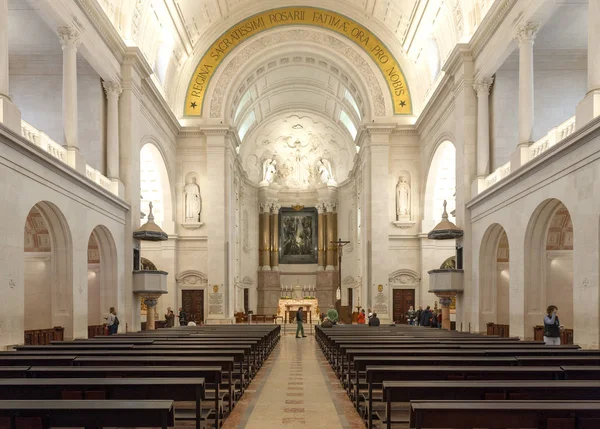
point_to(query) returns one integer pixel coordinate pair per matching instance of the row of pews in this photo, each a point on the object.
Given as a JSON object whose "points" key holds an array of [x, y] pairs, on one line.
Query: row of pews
{"points": [[413, 377], [187, 375]]}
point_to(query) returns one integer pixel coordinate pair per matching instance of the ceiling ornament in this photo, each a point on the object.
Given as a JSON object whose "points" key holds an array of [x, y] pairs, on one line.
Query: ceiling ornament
{"points": [[298, 15], [268, 41]]}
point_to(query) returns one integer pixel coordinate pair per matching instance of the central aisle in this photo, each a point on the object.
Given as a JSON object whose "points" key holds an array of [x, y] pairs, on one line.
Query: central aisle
{"points": [[297, 388]]}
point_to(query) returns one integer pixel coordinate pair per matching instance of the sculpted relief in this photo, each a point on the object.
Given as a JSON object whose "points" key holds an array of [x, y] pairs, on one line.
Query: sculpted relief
{"points": [[297, 153]]}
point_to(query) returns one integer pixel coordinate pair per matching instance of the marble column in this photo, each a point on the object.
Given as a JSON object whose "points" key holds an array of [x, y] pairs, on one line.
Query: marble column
{"points": [[482, 88], [445, 304], [275, 238], [150, 302], [330, 237], [113, 91], [589, 107], [10, 116], [70, 40], [525, 37], [265, 238], [335, 237], [321, 241]]}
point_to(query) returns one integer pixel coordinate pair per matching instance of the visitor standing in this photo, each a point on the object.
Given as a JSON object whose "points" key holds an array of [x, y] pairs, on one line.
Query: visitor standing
{"points": [[552, 327], [182, 317], [110, 321], [426, 317], [374, 320], [411, 314], [170, 318], [361, 317], [299, 322], [419, 312]]}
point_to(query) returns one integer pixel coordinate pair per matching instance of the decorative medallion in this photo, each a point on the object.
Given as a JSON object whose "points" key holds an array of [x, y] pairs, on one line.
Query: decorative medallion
{"points": [[216, 288], [297, 207], [380, 288]]}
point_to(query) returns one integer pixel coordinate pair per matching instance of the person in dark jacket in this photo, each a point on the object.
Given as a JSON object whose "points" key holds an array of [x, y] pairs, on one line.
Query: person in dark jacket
{"points": [[182, 317], [552, 327], [426, 317], [418, 318], [374, 320], [300, 326]]}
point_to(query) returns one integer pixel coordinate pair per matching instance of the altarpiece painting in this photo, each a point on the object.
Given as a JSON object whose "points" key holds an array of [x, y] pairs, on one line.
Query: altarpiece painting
{"points": [[298, 236]]}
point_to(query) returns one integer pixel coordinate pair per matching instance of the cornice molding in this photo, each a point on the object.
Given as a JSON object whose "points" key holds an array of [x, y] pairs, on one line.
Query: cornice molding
{"points": [[105, 29], [460, 54], [134, 56], [490, 24], [28, 149]]}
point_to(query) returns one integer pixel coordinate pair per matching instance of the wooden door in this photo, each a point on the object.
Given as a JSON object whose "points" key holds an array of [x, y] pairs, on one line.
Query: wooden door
{"points": [[246, 300], [403, 299], [193, 305]]}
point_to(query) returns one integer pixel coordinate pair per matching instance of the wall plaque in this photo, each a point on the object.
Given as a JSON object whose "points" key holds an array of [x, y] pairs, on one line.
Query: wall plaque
{"points": [[215, 301]]}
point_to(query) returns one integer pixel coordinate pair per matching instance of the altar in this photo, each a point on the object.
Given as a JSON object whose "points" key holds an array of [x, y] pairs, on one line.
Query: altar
{"points": [[288, 308], [294, 297]]}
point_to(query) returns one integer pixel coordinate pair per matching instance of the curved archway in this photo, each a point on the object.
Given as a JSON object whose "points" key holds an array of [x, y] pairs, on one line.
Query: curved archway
{"points": [[155, 186], [48, 282], [440, 184], [102, 276], [549, 264], [494, 277]]}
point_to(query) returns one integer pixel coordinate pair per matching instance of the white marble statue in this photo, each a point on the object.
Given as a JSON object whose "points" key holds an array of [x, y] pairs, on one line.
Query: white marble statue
{"points": [[325, 171], [402, 198], [269, 170], [192, 201]]}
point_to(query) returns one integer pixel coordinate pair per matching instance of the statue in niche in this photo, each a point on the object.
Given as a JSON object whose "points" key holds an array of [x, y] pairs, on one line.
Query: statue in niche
{"points": [[402, 198], [269, 171], [325, 171], [193, 201]]}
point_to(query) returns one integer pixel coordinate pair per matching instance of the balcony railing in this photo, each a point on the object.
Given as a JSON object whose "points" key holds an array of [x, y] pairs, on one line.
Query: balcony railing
{"points": [[42, 140], [554, 136]]}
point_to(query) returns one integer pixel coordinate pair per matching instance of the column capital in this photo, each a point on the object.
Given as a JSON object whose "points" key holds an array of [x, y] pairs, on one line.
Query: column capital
{"points": [[526, 32], [482, 85], [69, 36], [275, 207], [321, 208], [112, 88], [265, 206]]}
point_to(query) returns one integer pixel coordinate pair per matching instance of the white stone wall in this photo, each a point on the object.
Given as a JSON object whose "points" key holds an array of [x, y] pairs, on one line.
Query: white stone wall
{"points": [[36, 87], [79, 208], [569, 175]]}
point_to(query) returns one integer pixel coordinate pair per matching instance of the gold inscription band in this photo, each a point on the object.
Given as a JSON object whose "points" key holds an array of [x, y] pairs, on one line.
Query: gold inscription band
{"points": [[300, 15]]}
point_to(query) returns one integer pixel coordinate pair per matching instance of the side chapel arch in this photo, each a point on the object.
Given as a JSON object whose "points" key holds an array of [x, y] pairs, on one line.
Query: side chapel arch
{"points": [[494, 276]]}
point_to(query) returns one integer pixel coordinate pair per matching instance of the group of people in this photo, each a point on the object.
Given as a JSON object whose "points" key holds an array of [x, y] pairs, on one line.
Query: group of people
{"points": [[427, 317], [182, 316]]}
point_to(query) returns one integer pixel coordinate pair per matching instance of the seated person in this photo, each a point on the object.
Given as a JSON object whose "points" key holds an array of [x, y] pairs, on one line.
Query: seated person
{"points": [[326, 323], [192, 323], [374, 321]]}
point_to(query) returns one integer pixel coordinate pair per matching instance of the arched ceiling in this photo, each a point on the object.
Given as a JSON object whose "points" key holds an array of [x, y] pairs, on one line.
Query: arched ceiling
{"points": [[174, 35]]}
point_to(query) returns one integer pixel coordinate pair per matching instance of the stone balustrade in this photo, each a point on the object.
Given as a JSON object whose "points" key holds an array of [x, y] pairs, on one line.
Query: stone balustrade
{"points": [[554, 136], [43, 141]]}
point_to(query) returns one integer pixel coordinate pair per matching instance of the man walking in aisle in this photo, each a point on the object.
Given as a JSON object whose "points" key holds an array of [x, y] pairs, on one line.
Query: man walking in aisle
{"points": [[300, 326]]}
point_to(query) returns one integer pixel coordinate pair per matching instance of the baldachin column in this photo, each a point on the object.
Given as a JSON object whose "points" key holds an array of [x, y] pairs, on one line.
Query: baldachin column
{"points": [[113, 91], [275, 238], [265, 238], [525, 37], [70, 40], [321, 240], [482, 88], [589, 107], [330, 237], [10, 116]]}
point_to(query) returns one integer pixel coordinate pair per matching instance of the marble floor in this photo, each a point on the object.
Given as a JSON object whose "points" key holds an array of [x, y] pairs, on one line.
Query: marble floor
{"points": [[296, 388]]}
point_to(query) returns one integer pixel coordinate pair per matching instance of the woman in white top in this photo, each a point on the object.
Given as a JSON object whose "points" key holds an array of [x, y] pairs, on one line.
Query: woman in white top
{"points": [[110, 322]]}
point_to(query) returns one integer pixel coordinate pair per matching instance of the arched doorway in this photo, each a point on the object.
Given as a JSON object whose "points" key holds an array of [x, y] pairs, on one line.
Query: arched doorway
{"points": [[102, 278], [549, 264], [494, 277], [48, 267]]}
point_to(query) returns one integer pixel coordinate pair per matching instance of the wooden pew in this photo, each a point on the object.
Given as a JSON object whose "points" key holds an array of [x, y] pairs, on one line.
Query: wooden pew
{"points": [[176, 389], [377, 374], [225, 362], [503, 414], [91, 414], [406, 391], [13, 359]]}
